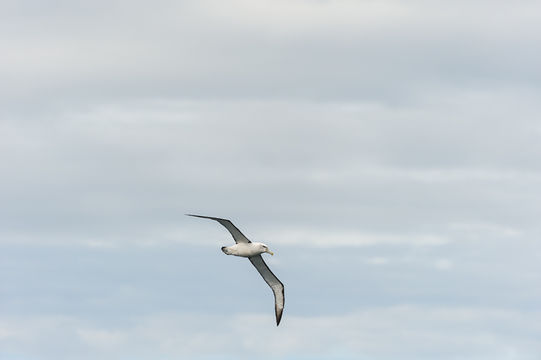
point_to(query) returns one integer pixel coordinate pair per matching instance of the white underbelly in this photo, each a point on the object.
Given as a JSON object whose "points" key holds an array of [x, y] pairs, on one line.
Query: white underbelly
{"points": [[244, 250]]}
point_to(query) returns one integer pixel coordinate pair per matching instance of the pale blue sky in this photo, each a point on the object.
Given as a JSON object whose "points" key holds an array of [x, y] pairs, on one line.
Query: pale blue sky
{"points": [[386, 151]]}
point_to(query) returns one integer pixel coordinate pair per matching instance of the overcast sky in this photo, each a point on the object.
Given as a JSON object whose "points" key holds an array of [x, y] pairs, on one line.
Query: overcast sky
{"points": [[388, 152]]}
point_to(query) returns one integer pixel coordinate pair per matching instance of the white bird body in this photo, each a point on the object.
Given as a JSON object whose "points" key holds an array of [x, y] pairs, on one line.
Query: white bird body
{"points": [[252, 250], [246, 249]]}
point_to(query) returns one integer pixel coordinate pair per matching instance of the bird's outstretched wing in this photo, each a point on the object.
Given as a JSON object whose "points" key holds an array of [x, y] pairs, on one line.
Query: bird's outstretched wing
{"points": [[275, 284], [237, 235]]}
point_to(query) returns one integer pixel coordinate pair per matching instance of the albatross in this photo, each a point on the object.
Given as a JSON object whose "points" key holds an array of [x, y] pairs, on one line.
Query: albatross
{"points": [[252, 251]]}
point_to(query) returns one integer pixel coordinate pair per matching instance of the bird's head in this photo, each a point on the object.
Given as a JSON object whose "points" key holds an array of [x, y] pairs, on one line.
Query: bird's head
{"points": [[265, 248]]}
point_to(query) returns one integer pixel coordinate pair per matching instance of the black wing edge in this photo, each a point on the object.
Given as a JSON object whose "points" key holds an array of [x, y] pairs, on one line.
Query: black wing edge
{"points": [[207, 217]]}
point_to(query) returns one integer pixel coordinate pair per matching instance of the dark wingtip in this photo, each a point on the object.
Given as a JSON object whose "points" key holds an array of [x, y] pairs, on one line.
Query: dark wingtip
{"points": [[279, 317], [207, 217], [199, 216]]}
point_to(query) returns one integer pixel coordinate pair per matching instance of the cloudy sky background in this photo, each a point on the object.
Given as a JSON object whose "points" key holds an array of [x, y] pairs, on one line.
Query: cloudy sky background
{"points": [[387, 151]]}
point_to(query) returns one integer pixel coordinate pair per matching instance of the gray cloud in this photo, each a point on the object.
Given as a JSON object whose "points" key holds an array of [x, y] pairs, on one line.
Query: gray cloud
{"points": [[364, 167], [416, 333], [386, 150], [336, 50]]}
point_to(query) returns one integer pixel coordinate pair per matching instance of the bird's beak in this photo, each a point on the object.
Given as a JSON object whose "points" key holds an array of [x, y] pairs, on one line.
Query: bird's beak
{"points": [[270, 252]]}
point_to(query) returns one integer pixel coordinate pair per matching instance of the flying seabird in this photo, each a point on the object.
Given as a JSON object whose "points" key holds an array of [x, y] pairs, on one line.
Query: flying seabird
{"points": [[253, 251]]}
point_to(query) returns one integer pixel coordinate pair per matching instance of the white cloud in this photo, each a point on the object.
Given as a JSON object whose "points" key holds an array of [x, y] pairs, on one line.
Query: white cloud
{"points": [[377, 260], [337, 238], [478, 230], [443, 264]]}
